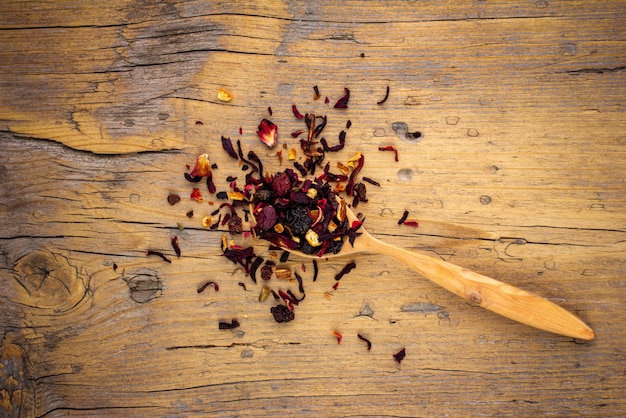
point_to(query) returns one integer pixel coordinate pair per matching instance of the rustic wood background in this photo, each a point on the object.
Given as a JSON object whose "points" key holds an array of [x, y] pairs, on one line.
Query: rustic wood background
{"points": [[519, 176]]}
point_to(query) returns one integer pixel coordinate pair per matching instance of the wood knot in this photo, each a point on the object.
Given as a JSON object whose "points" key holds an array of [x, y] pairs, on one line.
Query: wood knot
{"points": [[474, 296], [144, 285], [48, 280]]}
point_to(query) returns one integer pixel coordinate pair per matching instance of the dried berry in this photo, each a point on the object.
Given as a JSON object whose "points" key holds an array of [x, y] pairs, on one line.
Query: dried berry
{"points": [[173, 198], [281, 184], [282, 313], [264, 195], [266, 218], [298, 219], [235, 224], [266, 272]]}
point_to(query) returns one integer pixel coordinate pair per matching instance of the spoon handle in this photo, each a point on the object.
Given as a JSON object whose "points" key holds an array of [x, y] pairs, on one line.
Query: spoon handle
{"points": [[498, 297]]}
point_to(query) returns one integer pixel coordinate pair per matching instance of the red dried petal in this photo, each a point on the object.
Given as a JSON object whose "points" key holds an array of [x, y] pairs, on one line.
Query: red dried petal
{"points": [[342, 103], [203, 166], [196, 195], [268, 132], [296, 113]]}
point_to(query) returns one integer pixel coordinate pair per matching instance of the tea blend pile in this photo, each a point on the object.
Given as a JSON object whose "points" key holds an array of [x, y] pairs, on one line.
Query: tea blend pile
{"points": [[296, 208]]}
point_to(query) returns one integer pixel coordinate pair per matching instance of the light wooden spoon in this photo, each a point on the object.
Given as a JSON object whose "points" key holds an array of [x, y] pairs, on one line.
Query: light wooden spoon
{"points": [[498, 297]]}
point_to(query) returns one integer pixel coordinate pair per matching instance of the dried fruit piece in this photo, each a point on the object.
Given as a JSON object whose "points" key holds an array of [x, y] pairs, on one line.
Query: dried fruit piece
{"points": [[282, 313], [224, 95], [268, 132], [206, 221], [173, 198], [283, 273]]}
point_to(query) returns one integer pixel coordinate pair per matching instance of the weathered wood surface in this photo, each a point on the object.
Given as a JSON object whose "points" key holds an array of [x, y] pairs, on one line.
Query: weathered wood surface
{"points": [[519, 176]]}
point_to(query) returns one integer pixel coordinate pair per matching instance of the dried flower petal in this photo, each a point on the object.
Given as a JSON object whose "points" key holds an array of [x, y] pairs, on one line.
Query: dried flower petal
{"points": [[292, 154], [224, 95], [206, 221], [368, 342], [338, 335], [390, 148], [399, 356], [227, 144], [268, 132], [342, 103], [196, 195], [296, 113], [203, 166], [385, 98]]}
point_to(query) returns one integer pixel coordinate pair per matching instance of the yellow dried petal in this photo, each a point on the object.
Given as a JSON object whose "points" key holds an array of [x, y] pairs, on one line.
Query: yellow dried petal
{"points": [[224, 95], [343, 168], [207, 221], [292, 154], [352, 161]]}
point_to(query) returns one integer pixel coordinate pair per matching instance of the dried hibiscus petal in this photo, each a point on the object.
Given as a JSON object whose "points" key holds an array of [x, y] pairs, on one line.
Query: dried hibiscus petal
{"points": [[227, 144], [368, 342], [296, 113], [338, 147], [207, 284], [384, 98], [400, 355], [268, 132], [347, 269], [389, 148], [342, 103]]}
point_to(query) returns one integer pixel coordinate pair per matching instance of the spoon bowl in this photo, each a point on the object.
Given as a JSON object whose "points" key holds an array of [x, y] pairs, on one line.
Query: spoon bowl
{"points": [[501, 298]]}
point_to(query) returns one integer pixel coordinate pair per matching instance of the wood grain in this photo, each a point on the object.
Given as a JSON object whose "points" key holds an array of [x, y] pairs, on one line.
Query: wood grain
{"points": [[519, 176]]}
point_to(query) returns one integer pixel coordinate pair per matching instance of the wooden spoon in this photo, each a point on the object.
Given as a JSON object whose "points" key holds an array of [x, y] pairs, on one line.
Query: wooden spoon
{"points": [[498, 297]]}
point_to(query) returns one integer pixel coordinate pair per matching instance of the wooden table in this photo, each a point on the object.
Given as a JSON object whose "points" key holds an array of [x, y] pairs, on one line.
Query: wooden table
{"points": [[518, 175]]}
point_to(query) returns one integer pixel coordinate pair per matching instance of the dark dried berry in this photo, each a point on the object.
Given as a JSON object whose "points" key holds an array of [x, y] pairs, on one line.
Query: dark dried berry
{"points": [[173, 198], [281, 184], [264, 195], [234, 224], [282, 313], [306, 248], [298, 220], [266, 272]]}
